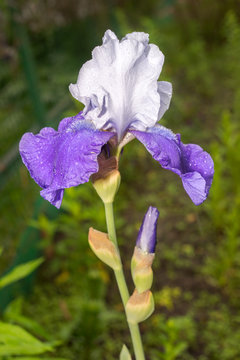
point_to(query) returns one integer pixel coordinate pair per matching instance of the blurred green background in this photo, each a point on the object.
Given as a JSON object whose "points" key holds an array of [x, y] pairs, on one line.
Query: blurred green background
{"points": [[72, 302]]}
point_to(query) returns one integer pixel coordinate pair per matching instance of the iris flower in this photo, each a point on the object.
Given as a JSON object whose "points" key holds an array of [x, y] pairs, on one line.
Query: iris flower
{"points": [[123, 100]]}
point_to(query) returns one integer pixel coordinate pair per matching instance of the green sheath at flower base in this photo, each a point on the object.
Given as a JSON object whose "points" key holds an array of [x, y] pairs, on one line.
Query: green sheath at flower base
{"points": [[141, 268], [139, 307], [104, 249], [107, 187]]}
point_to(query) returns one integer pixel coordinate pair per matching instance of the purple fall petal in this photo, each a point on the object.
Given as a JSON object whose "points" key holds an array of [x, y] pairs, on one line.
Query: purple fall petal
{"points": [[190, 162], [61, 159], [54, 197], [147, 236]]}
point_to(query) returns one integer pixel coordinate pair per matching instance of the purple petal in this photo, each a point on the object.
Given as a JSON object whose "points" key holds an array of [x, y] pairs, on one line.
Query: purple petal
{"points": [[190, 162], [61, 159], [147, 236], [53, 196], [195, 186]]}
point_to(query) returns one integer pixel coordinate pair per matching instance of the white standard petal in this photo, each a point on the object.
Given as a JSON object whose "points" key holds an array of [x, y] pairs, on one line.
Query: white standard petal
{"points": [[118, 86], [165, 92]]}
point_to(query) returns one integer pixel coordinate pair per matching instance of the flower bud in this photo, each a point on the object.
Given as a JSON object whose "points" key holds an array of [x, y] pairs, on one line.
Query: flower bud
{"points": [[147, 236], [139, 307], [107, 187], [141, 265], [125, 354], [104, 249]]}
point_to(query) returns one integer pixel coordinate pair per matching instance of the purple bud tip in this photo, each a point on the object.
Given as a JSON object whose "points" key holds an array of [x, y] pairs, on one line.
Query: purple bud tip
{"points": [[147, 236]]}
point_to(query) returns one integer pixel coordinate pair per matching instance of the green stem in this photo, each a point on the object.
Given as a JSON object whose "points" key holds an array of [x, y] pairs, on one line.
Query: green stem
{"points": [[122, 286]]}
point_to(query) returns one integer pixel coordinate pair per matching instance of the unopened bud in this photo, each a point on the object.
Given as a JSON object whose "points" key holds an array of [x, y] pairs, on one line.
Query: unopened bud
{"points": [[107, 187], [141, 267], [147, 236], [125, 354], [139, 307], [104, 249]]}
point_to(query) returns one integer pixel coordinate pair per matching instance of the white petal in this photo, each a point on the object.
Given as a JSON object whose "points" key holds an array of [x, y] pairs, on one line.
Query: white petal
{"points": [[118, 86], [165, 92], [109, 35], [139, 36]]}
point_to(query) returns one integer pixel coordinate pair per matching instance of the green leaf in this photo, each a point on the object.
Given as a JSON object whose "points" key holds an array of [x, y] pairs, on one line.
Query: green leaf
{"points": [[20, 272], [14, 340], [13, 314], [31, 326], [125, 354]]}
